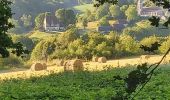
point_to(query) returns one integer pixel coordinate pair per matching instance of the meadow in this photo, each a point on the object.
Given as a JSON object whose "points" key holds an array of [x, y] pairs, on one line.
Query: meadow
{"points": [[84, 7], [97, 85]]}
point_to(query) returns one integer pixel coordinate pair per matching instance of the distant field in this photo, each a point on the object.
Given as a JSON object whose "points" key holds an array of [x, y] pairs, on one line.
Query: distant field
{"points": [[40, 35], [83, 8], [94, 25]]}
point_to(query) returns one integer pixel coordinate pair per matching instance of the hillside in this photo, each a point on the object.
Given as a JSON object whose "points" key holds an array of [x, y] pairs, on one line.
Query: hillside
{"points": [[84, 7]]}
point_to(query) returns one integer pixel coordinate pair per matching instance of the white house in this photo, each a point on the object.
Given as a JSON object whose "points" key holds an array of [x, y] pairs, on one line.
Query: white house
{"points": [[52, 24], [149, 11]]}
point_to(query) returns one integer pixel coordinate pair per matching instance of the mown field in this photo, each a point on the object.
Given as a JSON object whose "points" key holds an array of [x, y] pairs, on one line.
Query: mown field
{"points": [[98, 85]]}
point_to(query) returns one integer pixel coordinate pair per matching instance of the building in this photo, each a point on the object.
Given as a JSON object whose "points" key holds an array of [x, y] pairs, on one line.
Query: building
{"points": [[149, 11], [52, 24], [104, 29], [118, 27]]}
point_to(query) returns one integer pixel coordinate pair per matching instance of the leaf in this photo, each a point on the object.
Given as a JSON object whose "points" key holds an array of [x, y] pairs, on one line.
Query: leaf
{"points": [[154, 21]]}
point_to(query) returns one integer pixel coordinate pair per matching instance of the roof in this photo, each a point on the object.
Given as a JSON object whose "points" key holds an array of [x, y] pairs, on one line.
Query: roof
{"points": [[122, 21], [52, 21], [151, 9], [105, 28], [118, 27]]}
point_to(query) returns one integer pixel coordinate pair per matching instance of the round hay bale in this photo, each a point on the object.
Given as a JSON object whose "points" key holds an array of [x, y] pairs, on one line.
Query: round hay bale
{"points": [[38, 67], [145, 57], [45, 66], [102, 60], [60, 63], [73, 65], [95, 59]]}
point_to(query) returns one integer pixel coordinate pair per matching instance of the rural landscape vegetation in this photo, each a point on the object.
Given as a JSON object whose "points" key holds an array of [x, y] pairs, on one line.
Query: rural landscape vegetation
{"points": [[84, 50]]}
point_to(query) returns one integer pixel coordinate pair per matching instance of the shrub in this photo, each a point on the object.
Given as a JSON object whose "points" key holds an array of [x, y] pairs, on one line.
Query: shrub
{"points": [[165, 46], [11, 61]]}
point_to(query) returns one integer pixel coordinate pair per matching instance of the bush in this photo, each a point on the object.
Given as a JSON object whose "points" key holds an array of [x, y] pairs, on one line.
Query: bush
{"points": [[165, 46], [11, 61], [27, 42]]}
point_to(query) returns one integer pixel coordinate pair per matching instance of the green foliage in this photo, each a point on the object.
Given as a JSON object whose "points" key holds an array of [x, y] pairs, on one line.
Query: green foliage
{"points": [[165, 45], [10, 62], [127, 45], [103, 22], [43, 49], [131, 13], [143, 29], [84, 85], [102, 11], [84, 23], [149, 40], [17, 28], [26, 20], [67, 16], [5, 25], [26, 41], [64, 39], [39, 21], [115, 11]]}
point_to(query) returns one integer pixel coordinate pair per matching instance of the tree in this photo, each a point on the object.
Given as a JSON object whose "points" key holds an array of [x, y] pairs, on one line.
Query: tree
{"points": [[103, 22], [131, 13], [84, 23], [26, 20], [155, 21], [17, 28], [102, 11], [39, 21], [5, 25], [115, 11], [67, 16]]}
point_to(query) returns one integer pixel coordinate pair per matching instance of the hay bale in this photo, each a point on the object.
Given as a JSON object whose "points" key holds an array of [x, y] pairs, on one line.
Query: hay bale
{"points": [[45, 66], [102, 60], [60, 63], [95, 59], [38, 67], [145, 57], [73, 65]]}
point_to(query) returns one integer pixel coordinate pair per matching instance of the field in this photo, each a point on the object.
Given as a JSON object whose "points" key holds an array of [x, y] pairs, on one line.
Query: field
{"points": [[98, 85], [94, 25], [95, 83], [83, 8], [40, 35]]}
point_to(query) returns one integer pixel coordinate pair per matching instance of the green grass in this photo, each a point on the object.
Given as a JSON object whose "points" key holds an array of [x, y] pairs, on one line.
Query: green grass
{"points": [[40, 35], [83, 86], [83, 8]]}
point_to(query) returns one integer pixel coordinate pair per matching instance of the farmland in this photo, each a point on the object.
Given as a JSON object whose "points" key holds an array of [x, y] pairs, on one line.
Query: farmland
{"points": [[88, 66], [86, 85]]}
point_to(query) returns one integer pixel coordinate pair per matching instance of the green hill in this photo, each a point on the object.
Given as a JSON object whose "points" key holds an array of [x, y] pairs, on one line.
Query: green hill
{"points": [[84, 7]]}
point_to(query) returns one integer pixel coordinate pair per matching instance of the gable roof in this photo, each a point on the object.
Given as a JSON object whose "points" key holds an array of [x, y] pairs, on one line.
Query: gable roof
{"points": [[105, 28], [151, 9]]}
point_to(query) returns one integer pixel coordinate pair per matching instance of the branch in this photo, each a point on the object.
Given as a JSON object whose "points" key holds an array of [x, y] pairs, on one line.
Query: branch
{"points": [[150, 74]]}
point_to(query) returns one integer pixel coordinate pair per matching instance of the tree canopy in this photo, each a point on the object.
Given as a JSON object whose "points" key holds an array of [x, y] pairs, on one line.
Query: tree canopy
{"points": [[6, 42]]}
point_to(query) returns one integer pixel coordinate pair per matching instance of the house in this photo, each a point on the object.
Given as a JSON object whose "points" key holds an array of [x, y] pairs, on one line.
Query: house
{"points": [[104, 29], [118, 27], [52, 24], [149, 11]]}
